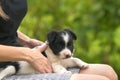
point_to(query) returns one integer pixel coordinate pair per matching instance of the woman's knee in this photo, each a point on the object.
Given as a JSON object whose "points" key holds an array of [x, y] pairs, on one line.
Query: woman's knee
{"points": [[101, 69], [110, 72], [87, 77]]}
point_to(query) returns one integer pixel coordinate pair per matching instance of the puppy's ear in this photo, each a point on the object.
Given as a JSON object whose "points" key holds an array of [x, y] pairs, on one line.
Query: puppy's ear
{"points": [[72, 34], [51, 36]]}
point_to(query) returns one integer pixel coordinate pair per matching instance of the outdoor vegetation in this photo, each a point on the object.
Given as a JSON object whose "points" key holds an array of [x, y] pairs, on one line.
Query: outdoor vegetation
{"points": [[95, 22]]}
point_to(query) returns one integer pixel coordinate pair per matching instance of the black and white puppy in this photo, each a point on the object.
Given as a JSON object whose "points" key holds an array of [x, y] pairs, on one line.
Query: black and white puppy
{"points": [[61, 49], [59, 53]]}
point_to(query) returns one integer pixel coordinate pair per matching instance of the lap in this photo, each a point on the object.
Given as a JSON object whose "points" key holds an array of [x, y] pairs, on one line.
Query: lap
{"points": [[88, 77], [93, 71], [100, 69], [48, 76]]}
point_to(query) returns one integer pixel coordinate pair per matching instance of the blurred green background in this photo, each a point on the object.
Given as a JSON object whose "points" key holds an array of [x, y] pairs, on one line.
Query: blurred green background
{"points": [[95, 22]]}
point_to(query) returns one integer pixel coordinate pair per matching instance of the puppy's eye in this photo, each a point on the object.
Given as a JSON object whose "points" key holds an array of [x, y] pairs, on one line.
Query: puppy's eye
{"points": [[69, 43], [61, 43]]}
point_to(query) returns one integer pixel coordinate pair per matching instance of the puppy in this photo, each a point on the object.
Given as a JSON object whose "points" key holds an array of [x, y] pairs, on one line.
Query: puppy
{"points": [[59, 53], [61, 49]]}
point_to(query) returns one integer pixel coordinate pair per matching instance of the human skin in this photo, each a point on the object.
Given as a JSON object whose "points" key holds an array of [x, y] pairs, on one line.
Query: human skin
{"points": [[96, 72], [32, 56]]}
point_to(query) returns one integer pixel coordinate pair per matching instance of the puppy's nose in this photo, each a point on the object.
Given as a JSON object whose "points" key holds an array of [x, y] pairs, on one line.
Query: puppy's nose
{"points": [[68, 56]]}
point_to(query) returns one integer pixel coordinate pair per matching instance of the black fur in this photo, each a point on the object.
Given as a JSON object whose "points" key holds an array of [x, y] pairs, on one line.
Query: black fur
{"points": [[56, 42]]}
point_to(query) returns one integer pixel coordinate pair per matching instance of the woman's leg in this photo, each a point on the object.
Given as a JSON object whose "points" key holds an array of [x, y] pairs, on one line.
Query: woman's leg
{"points": [[97, 71], [93, 72], [87, 77]]}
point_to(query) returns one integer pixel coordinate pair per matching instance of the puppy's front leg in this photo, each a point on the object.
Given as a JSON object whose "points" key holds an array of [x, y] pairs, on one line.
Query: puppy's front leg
{"points": [[57, 68], [80, 63]]}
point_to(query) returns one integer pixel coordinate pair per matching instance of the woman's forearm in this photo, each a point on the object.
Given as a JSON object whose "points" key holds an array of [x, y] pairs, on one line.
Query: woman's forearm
{"points": [[22, 37], [9, 53], [28, 42]]}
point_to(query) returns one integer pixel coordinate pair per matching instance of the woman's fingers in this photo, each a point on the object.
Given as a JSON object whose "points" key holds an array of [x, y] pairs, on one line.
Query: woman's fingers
{"points": [[43, 65], [42, 47]]}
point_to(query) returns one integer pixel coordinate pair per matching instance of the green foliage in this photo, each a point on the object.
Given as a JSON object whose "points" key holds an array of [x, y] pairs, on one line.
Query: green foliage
{"points": [[95, 22]]}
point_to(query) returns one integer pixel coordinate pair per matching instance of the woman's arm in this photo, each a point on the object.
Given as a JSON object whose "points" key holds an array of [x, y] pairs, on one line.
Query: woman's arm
{"points": [[32, 56], [9, 53], [26, 41]]}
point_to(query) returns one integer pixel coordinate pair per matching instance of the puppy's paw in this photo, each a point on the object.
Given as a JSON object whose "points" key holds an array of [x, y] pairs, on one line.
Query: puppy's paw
{"points": [[84, 65], [61, 72], [58, 68], [80, 63]]}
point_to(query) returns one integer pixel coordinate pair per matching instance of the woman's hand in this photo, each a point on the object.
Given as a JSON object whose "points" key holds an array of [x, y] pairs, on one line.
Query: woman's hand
{"points": [[38, 61], [34, 56], [33, 43], [26, 41]]}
